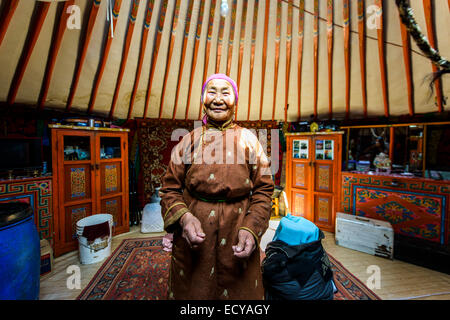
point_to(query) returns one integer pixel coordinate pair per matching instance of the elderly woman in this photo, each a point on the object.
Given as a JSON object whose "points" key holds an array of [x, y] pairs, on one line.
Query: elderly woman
{"points": [[216, 200]]}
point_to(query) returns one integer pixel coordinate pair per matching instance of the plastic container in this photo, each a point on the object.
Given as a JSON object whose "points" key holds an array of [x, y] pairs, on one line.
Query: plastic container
{"points": [[20, 258], [351, 165], [152, 220], [363, 166], [100, 248]]}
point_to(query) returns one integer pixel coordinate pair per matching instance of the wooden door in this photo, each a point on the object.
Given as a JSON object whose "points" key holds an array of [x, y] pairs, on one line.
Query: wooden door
{"points": [[325, 168], [312, 177], [75, 187], [112, 178], [299, 176]]}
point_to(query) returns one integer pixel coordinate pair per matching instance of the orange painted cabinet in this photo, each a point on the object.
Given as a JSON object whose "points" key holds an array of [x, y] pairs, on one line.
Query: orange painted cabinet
{"points": [[313, 166], [90, 172]]}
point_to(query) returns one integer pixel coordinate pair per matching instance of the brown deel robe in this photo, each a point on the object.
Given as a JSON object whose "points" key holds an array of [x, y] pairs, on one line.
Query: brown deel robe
{"points": [[241, 175]]}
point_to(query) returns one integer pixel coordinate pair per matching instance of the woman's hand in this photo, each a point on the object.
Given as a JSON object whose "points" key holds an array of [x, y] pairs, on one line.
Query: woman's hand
{"points": [[192, 230], [246, 244]]}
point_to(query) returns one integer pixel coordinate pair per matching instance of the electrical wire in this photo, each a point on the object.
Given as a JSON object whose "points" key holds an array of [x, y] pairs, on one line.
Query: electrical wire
{"points": [[352, 31]]}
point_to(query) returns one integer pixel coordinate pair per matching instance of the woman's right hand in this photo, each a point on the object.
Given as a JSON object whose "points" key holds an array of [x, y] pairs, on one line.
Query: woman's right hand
{"points": [[192, 230]]}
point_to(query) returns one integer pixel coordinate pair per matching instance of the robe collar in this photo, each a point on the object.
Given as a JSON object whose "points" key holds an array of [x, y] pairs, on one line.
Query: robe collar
{"points": [[221, 127]]}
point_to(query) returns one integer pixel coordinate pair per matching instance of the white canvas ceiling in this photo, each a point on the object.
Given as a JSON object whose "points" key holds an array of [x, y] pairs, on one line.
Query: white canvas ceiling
{"points": [[13, 47]]}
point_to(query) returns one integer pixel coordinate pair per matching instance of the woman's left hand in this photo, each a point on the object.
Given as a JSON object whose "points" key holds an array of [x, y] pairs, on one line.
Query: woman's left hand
{"points": [[246, 244]]}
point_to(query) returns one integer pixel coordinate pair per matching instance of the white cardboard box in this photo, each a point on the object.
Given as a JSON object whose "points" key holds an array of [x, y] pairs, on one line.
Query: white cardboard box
{"points": [[46, 258], [363, 234], [269, 234]]}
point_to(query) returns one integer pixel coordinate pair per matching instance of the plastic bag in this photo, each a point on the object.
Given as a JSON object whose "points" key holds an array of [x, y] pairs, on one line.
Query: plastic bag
{"points": [[152, 220]]}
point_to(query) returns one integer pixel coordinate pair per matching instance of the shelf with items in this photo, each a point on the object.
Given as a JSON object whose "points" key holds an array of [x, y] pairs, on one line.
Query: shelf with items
{"points": [[110, 148], [414, 149], [77, 148]]}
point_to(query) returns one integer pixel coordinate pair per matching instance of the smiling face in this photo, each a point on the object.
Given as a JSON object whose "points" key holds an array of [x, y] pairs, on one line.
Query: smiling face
{"points": [[219, 100]]}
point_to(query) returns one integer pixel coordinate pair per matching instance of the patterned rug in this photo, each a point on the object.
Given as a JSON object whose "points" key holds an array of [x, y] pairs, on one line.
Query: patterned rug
{"points": [[349, 287], [139, 270]]}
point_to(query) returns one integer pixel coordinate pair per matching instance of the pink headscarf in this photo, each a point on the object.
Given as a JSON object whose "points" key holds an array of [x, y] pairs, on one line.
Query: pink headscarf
{"points": [[224, 77], [219, 76]]}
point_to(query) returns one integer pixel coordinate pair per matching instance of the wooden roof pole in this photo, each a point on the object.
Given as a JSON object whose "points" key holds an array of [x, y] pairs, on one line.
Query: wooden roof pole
{"points": [[34, 32], [54, 53], [330, 30], [104, 59], [316, 53], [277, 58], [92, 18], [231, 37], [6, 16], [346, 15], [144, 37], [219, 43], [183, 56], [195, 55], [301, 25], [288, 58], [252, 56], [264, 56], [428, 8], [126, 50], [241, 50], [169, 54], [382, 58], [162, 17], [207, 49], [407, 60], [362, 53]]}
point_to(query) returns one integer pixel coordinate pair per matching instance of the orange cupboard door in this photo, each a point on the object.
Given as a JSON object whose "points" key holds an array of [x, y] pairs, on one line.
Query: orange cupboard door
{"points": [[76, 182], [325, 181], [112, 190], [299, 176]]}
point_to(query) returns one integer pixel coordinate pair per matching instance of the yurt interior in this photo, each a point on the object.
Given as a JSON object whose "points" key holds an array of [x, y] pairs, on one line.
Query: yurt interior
{"points": [[349, 100]]}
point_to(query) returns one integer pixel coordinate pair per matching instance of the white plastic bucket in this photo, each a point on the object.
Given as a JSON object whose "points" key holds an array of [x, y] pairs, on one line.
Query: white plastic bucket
{"points": [[100, 248]]}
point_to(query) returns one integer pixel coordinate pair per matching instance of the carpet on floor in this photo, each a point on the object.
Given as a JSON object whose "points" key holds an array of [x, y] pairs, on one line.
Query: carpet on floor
{"points": [[138, 269]]}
